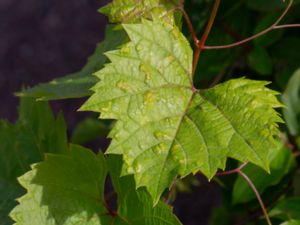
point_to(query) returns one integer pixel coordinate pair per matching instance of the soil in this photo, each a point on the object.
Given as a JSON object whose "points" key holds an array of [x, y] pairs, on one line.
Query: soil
{"points": [[45, 39]]}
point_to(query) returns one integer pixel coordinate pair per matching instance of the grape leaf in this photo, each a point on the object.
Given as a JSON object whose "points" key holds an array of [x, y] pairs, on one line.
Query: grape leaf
{"points": [[130, 11], [77, 85], [166, 127], [64, 189], [68, 189], [291, 99], [24, 143], [281, 163]]}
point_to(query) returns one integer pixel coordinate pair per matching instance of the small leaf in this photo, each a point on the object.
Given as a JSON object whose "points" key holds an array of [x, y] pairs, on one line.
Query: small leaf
{"points": [[260, 61], [282, 161], [291, 98], [129, 11], [165, 127]]}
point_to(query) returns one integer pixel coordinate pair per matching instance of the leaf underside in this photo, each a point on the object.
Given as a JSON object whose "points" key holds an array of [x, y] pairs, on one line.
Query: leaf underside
{"points": [[165, 127]]}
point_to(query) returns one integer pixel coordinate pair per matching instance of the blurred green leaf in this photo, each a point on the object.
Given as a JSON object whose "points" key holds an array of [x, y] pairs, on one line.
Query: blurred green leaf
{"points": [[282, 161], [291, 222], [272, 36], [260, 61], [291, 98], [267, 5], [286, 51], [287, 209], [88, 130]]}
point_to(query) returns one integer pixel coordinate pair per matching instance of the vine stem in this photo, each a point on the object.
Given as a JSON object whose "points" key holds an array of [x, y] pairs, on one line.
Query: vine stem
{"points": [[272, 27], [201, 43], [251, 185], [257, 196], [190, 25], [233, 171], [171, 192]]}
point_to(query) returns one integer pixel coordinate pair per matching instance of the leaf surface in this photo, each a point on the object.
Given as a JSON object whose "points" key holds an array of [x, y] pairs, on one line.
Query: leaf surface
{"points": [[166, 127]]}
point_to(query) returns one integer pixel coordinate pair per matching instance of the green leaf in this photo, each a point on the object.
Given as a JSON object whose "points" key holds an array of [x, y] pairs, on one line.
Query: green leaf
{"points": [[129, 11], [282, 161], [291, 98], [287, 209], [270, 37], [35, 133], [138, 208], [60, 195], [260, 61], [88, 130], [136, 205], [77, 85], [291, 222], [121, 184], [65, 189], [165, 127]]}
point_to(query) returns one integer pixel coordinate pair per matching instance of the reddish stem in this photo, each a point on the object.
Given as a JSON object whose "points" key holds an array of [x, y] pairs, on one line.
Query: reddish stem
{"points": [[252, 186], [171, 192], [190, 25], [261, 203], [233, 171], [287, 26], [201, 43], [272, 27]]}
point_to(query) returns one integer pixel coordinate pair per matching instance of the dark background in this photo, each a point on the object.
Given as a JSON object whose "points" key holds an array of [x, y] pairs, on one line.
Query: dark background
{"points": [[45, 39]]}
